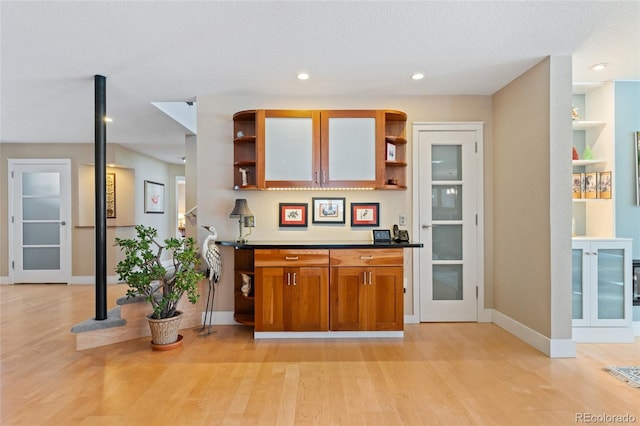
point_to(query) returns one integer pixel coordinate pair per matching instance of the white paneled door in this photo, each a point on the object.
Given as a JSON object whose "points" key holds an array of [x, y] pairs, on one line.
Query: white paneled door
{"points": [[448, 225], [39, 221]]}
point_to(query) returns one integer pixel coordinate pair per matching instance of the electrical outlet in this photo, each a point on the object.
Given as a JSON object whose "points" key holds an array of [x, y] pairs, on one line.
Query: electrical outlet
{"points": [[402, 220]]}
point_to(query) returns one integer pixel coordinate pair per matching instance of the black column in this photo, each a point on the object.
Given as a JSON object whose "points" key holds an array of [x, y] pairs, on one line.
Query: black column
{"points": [[101, 196]]}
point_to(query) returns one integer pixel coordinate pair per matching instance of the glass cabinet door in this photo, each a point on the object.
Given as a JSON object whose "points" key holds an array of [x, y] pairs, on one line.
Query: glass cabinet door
{"points": [[579, 284], [291, 158], [351, 148], [610, 290]]}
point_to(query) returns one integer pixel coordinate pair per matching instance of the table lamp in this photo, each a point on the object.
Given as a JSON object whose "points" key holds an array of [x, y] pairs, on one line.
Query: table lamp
{"points": [[245, 218]]}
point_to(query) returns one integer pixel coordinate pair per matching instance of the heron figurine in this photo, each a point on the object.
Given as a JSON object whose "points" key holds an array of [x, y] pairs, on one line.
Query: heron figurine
{"points": [[213, 259]]}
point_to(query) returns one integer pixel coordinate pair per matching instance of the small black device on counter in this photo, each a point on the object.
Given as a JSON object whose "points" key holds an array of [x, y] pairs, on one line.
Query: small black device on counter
{"points": [[400, 235], [381, 236]]}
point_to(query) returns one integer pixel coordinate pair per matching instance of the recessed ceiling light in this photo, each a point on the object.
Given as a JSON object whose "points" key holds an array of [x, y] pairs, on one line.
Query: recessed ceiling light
{"points": [[599, 67], [303, 76], [417, 76]]}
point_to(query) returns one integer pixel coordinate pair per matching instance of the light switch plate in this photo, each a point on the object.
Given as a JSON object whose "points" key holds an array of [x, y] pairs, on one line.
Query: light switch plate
{"points": [[402, 220]]}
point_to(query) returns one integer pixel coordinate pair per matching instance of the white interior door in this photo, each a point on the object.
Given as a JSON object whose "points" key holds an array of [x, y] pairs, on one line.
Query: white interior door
{"points": [[448, 218], [39, 228]]}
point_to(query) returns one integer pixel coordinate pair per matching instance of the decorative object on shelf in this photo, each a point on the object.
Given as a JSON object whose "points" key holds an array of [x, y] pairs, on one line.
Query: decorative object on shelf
{"points": [[243, 173], [328, 210], [587, 154], [240, 134], [111, 195], [292, 214], [365, 214], [162, 286], [246, 285], [246, 219], [574, 114], [213, 258], [391, 152], [153, 197], [604, 185], [392, 181], [575, 155], [591, 185], [578, 185]]}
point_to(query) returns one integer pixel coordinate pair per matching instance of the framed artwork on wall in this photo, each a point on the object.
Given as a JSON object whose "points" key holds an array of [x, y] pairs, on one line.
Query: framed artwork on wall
{"points": [[328, 210], [153, 197], [292, 214], [111, 195], [365, 214]]}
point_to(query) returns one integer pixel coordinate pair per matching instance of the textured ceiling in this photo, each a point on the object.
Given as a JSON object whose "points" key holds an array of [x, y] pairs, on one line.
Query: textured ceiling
{"points": [[176, 51]]}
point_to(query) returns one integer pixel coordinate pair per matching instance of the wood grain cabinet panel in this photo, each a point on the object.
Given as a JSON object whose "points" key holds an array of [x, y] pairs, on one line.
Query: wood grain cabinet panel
{"points": [[290, 295], [366, 297]]}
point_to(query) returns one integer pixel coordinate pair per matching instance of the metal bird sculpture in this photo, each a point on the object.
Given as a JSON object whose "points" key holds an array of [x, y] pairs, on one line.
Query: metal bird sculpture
{"points": [[213, 259]]}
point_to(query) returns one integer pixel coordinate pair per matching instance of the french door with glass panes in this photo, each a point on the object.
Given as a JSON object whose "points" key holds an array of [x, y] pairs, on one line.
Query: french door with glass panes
{"points": [[39, 214], [448, 228]]}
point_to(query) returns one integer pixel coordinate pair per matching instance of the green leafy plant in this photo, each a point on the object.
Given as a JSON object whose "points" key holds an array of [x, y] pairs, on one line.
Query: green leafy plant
{"points": [[142, 268]]}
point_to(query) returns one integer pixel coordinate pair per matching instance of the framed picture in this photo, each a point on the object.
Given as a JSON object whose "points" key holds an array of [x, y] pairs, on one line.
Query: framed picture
{"points": [[604, 185], [365, 214], [578, 185], [328, 210], [591, 185], [391, 152], [153, 197], [293, 214], [111, 195]]}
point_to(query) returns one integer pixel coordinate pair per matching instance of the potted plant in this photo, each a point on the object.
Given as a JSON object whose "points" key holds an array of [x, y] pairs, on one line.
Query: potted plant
{"points": [[144, 272]]}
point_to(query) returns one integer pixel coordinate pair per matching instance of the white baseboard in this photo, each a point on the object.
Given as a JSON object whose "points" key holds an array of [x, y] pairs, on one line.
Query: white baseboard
{"points": [[219, 318], [603, 334], [325, 334], [553, 348], [411, 319], [77, 279], [90, 279]]}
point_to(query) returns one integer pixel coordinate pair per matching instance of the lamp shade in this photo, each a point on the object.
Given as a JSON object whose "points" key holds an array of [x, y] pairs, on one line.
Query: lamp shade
{"points": [[241, 209]]}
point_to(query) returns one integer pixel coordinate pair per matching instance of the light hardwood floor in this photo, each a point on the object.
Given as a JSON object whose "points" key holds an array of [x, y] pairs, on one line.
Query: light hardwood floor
{"points": [[440, 374]]}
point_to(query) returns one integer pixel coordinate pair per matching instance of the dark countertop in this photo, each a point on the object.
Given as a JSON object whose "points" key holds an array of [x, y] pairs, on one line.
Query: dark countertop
{"points": [[317, 245]]}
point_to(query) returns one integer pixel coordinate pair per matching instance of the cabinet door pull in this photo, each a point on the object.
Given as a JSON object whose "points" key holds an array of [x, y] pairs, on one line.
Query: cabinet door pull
{"points": [[370, 282], [291, 258], [364, 278], [324, 176], [366, 257], [288, 278], [294, 279], [317, 174]]}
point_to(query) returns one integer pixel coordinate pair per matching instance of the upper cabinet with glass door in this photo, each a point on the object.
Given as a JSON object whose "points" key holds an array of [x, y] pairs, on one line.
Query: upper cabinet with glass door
{"points": [[323, 149]]}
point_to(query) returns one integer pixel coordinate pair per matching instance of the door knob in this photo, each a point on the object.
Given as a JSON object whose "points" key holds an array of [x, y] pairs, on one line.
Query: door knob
{"points": [[425, 226], [63, 223]]}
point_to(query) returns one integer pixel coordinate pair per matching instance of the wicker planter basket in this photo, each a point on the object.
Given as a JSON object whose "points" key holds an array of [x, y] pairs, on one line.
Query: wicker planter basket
{"points": [[165, 331]]}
